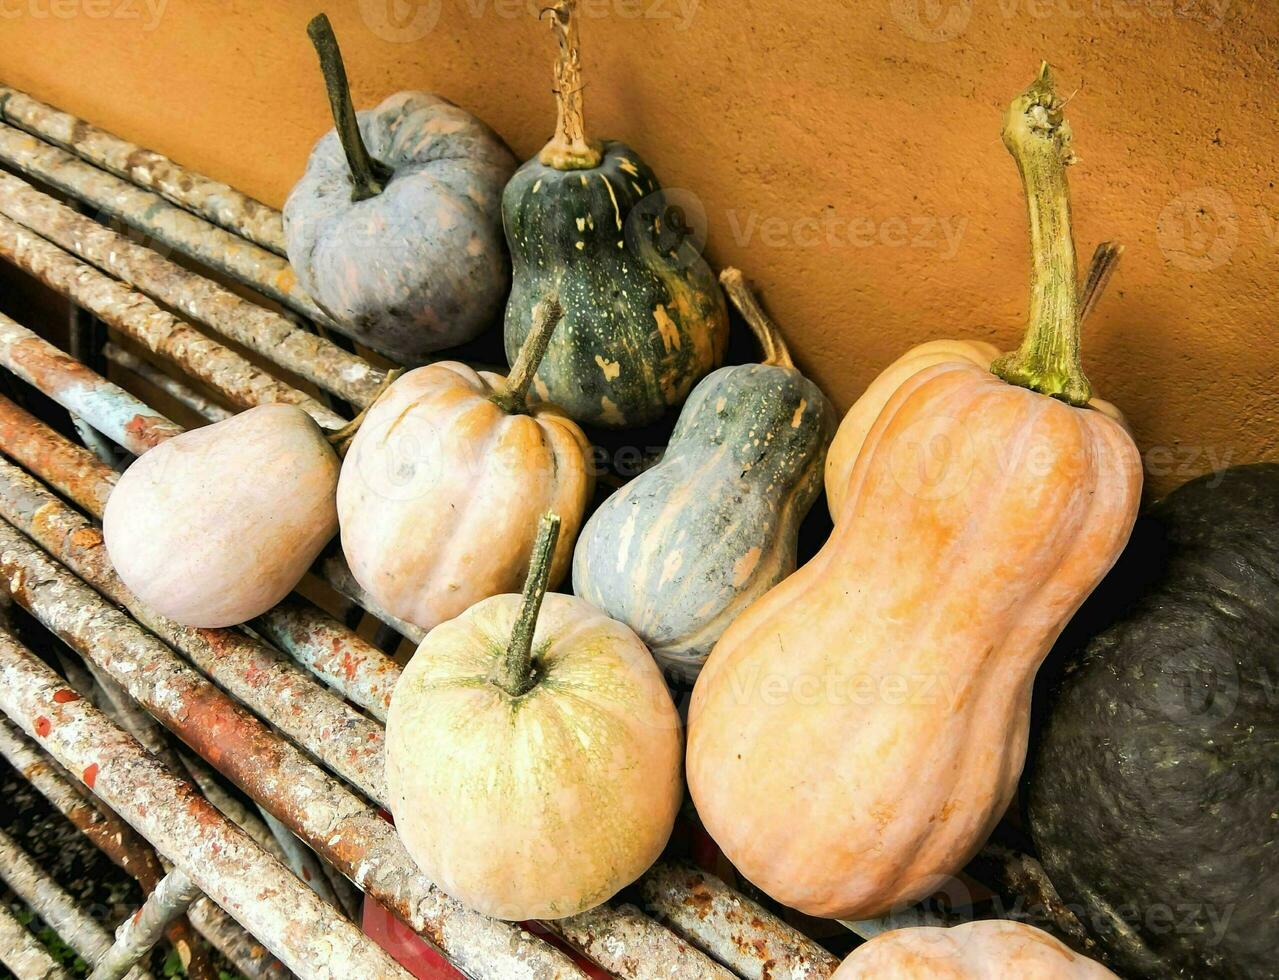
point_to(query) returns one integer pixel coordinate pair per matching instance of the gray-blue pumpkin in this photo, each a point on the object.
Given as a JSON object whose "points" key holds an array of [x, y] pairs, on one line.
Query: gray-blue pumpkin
{"points": [[395, 229], [685, 547]]}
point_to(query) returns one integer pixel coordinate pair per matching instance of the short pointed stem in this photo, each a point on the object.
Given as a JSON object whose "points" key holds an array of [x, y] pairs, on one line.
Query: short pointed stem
{"points": [[513, 672], [1038, 137], [512, 397], [340, 439], [764, 329], [569, 149], [368, 176]]}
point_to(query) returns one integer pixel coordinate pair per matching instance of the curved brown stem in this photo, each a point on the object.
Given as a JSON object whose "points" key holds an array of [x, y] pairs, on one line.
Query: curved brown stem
{"points": [[340, 439], [368, 175], [1100, 270], [512, 397], [513, 672], [1038, 137], [764, 329], [569, 149]]}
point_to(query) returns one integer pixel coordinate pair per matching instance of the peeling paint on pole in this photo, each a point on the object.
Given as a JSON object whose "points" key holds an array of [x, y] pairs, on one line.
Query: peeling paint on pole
{"points": [[627, 943], [308, 935], [261, 270], [740, 933], [111, 835], [305, 354], [211, 199], [133, 314], [332, 820]]}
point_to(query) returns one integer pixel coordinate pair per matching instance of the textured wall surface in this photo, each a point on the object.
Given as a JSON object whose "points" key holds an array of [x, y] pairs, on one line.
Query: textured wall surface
{"points": [[845, 154]]}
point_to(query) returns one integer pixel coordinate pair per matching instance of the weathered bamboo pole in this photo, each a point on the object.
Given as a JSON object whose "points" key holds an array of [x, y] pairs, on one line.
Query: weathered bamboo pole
{"points": [[308, 935], [305, 354], [741, 934], [23, 955], [332, 820], [211, 199], [111, 835], [171, 226], [52, 903], [184, 394], [139, 933], [130, 312]]}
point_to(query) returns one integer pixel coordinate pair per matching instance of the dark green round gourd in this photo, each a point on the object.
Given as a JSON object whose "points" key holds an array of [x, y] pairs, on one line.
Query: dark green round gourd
{"points": [[683, 548], [588, 222], [1154, 793]]}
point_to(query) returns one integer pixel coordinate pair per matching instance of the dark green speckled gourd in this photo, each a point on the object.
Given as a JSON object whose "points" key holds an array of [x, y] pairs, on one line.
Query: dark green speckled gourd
{"points": [[682, 549], [589, 223]]}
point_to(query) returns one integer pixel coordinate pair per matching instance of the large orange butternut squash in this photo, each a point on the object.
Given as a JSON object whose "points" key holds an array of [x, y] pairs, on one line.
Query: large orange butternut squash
{"points": [[857, 732]]}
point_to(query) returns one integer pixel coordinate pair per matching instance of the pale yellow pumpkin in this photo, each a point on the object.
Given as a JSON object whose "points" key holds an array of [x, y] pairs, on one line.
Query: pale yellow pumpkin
{"points": [[444, 482], [534, 770], [992, 949], [859, 730], [217, 525]]}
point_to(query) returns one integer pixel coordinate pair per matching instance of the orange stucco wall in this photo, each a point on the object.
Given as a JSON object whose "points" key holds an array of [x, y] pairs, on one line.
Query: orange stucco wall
{"points": [[845, 154]]}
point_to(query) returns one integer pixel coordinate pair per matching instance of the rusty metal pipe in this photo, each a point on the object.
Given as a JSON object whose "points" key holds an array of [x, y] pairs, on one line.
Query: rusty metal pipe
{"points": [[308, 935], [206, 408], [211, 199], [171, 226], [332, 820], [305, 354], [57, 908], [23, 955], [116, 839], [140, 932], [741, 934], [215, 364]]}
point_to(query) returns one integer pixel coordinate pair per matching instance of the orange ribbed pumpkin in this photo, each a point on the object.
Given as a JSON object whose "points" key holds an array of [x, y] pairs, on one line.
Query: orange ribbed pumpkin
{"points": [[991, 949], [856, 734]]}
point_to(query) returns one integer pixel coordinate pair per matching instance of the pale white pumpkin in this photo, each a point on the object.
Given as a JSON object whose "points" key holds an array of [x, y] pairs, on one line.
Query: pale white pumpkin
{"points": [[533, 784], [217, 525]]}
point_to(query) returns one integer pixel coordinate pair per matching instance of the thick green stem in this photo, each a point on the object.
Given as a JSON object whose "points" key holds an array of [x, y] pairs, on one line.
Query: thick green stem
{"points": [[764, 329], [1038, 137], [512, 397], [513, 672], [569, 149], [368, 176]]}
